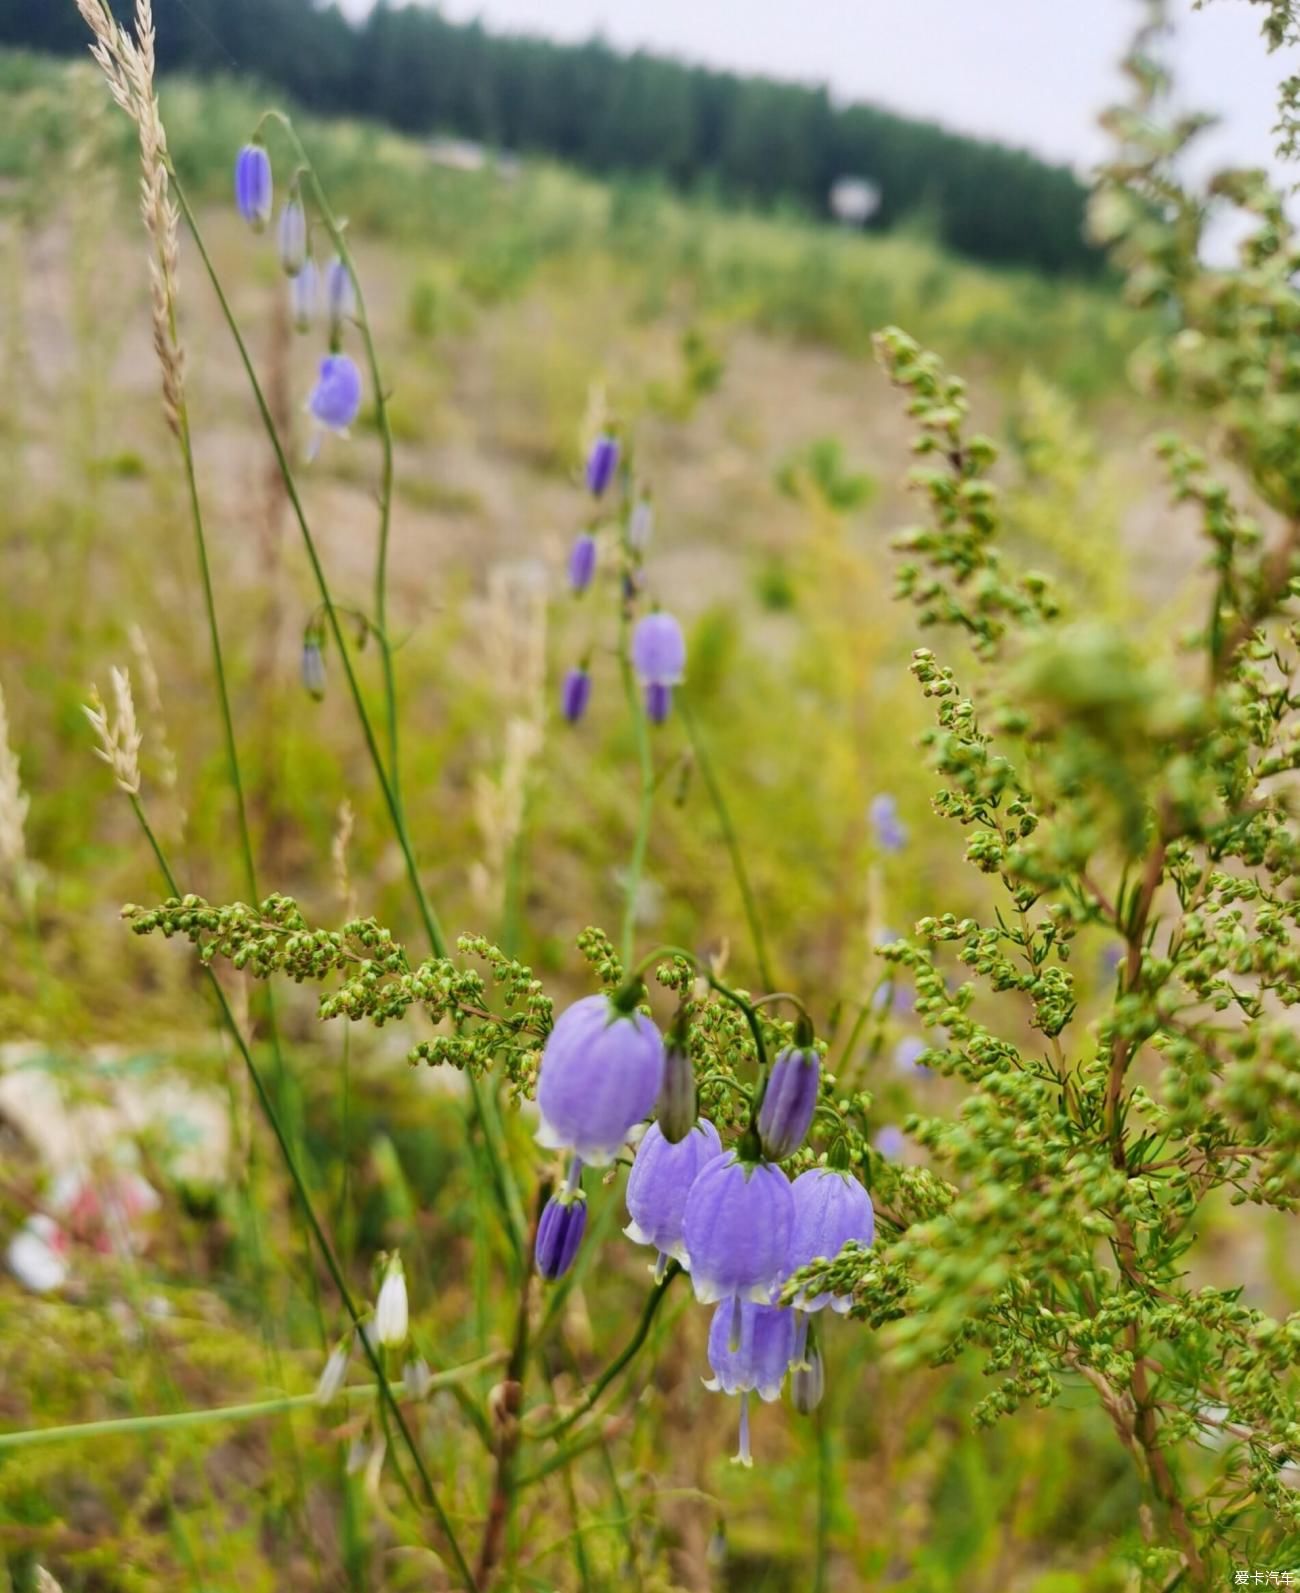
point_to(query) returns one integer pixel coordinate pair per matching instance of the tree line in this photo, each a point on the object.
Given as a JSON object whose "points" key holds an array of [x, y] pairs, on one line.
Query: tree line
{"points": [[752, 138]]}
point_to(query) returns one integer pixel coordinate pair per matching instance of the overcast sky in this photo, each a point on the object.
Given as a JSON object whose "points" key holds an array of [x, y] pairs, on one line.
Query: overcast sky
{"points": [[1029, 72]]}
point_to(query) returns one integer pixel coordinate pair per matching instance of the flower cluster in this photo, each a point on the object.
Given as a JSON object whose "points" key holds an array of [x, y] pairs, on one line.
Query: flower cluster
{"points": [[729, 1216], [335, 398], [657, 654]]}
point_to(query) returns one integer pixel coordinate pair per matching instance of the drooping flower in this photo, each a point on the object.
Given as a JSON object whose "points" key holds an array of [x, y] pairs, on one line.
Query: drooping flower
{"points": [[336, 1369], [391, 1317], [831, 1209], [293, 237], [600, 1074], [582, 562], [908, 1053], [890, 831], [313, 668], [659, 658], [340, 296], [602, 462], [675, 1110], [641, 525], [575, 694], [789, 1101], [808, 1381], [661, 1178], [336, 397], [559, 1233], [752, 1356], [304, 296], [891, 1142], [253, 187], [737, 1226], [757, 1361]]}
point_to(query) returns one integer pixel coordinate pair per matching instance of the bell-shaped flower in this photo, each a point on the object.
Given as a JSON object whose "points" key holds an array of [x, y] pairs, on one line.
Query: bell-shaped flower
{"points": [[737, 1226], [675, 1110], [660, 1180], [304, 296], [559, 1233], [582, 562], [659, 659], [641, 525], [808, 1381], [889, 829], [831, 1209], [340, 296], [575, 694], [391, 1316], [600, 1074], [336, 398], [313, 667], [253, 188], [292, 237], [602, 462], [748, 1356], [789, 1101]]}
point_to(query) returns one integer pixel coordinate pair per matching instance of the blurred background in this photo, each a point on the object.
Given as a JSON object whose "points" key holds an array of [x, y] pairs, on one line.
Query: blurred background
{"points": [[691, 218]]}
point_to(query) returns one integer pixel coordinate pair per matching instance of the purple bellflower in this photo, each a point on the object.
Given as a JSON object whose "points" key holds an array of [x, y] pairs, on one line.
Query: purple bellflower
{"points": [[661, 1178], [340, 296], [253, 188], [582, 562], [313, 667], [831, 1209], [908, 1053], [600, 1075], [753, 1358], [304, 296], [575, 694], [602, 462], [293, 237], [737, 1225], [641, 525], [336, 397], [659, 658], [891, 1142], [559, 1233], [890, 831], [789, 1101], [675, 1110]]}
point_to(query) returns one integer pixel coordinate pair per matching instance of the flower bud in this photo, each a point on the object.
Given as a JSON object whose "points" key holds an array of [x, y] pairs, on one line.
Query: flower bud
{"points": [[602, 462], [641, 525], [253, 189], [340, 297], [304, 296], [391, 1316], [559, 1233], [293, 237], [789, 1101], [582, 562], [808, 1381], [313, 668], [336, 1369], [677, 1106], [575, 694]]}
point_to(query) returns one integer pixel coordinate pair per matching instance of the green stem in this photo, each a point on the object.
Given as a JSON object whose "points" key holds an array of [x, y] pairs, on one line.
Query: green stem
{"points": [[646, 760], [825, 1472], [483, 1104], [711, 784], [427, 915], [653, 1301], [313, 1222], [255, 1410], [384, 426]]}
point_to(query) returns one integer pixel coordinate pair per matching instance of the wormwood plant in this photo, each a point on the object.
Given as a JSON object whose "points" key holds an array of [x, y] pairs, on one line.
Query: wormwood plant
{"points": [[1113, 787]]}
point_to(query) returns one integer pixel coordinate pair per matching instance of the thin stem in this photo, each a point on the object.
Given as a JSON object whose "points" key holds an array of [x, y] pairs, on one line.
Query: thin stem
{"points": [[313, 1222], [653, 1301], [734, 851], [254, 1410], [645, 757], [428, 917]]}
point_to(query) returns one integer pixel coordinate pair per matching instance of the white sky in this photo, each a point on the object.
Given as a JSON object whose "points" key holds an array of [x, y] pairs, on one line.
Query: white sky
{"points": [[1029, 72]]}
